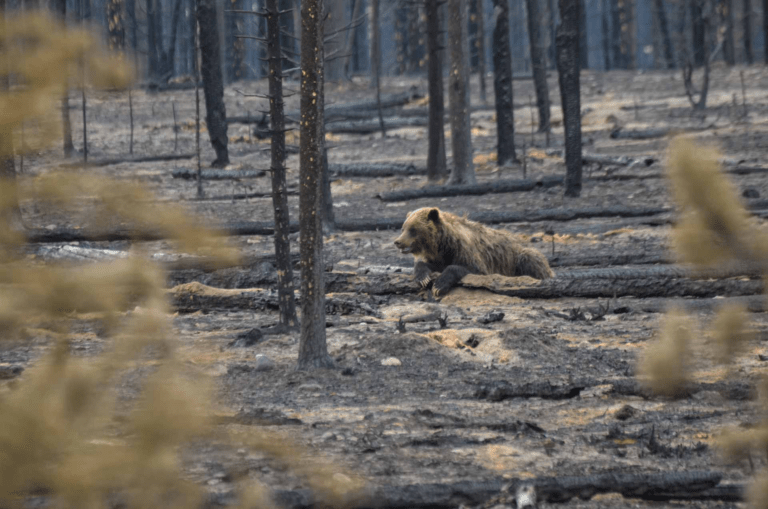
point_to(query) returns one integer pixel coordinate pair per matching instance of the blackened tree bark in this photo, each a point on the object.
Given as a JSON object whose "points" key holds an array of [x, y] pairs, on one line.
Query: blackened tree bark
{"points": [[568, 71], [747, 30], [699, 33], [661, 20], [604, 25], [726, 14], [279, 192], [538, 63], [313, 350], [10, 213], [350, 46], [436, 165], [60, 7], [213, 82], [502, 85], [236, 45], [551, 31], [327, 218], [414, 44], [463, 171], [115, 24], [376, 45], [334, 25], [618, 59], [480, 44], [583, 46], [161, 59]]}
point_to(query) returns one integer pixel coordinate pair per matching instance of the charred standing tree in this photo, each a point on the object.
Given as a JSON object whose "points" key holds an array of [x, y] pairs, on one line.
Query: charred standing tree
{"points": [[538, 63], [116, 25], [327, 218], [10, 213], [376, 45], [661, 21], [699, 33], [502, 85], [313, 350], [480, 44], [213, 81], [463, 171], [746, 18], [161, 59], [606, 38], [335, 25], [436, 166], [619, 57], [568, 76], [583, 46], [726, 16], [60, 7], [285, 297]]}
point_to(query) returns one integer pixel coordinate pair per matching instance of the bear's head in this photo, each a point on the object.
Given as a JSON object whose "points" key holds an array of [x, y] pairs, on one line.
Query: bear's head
{"points": [[421, 232]]}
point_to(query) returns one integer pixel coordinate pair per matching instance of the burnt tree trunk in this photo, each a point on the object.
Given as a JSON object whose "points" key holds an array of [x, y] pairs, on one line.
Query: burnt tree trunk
{"points": [[436, 165], [568, 76], [726, 14], [313, 351], [551, 34], [538, 63], [606, 39], [327, 218], [661, 19], [463, 171], [10, 213], [279, 189], [213, 82], [480, 44], [376, 45], [60, 7], [502, 85], [746, 18], [699, 33], [618, 59], [334, 25], [115, 25]]}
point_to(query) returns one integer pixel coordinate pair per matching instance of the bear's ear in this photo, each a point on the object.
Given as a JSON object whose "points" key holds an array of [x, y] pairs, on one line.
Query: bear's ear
{"points": [[434, 216]]}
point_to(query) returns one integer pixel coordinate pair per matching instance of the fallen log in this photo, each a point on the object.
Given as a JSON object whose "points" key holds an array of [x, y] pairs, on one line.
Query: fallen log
{"points": [[129, 159], [191, 174], [636, 258], [387, 102], [617, 160], [648, 286], [619, 133], [500, 391], [494, 186], [647, 486], [191, 297], [242, 196], [375, 169], [372, 126]]}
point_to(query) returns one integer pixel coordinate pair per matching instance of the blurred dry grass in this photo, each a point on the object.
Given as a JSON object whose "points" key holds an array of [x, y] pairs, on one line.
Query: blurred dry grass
{"points": [[58, 432], [714, 228]]}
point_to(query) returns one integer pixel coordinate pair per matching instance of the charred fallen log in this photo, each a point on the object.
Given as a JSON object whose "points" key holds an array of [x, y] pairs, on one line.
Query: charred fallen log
{"points": [[620, 133], [495, 186], [499, 391], [375, 169], [371, 125], [691, 485], [189, 174], [130, 159]]}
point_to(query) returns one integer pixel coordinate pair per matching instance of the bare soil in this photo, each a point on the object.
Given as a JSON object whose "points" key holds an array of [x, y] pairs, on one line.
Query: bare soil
{"points": [[422, 420]]}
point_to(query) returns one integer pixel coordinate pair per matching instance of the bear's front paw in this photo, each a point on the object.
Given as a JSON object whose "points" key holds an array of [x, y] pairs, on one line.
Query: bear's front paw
{"points": [[424, 282], [442, 286]]}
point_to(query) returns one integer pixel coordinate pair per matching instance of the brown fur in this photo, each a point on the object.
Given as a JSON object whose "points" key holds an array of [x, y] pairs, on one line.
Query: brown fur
{"points": [[441, 239]]}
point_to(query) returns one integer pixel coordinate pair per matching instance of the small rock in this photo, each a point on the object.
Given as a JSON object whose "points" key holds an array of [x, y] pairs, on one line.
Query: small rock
{"points": [[493, 316], [348, 371], [526, 497], [341, 478], [327, 436], [750, 192], [391, 361], [246, 339], [626, 412], [309, 387], [712, 397], [263, 363]]}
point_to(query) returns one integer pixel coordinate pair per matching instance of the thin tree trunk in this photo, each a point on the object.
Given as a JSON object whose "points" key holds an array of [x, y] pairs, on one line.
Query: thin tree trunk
{"points": [[213, 83], [351, 39], [746, 18], [325, 207], [414, 47], [551, 31], [661, 17], [376, 45], [538, 64], [285, 297], [726, 13], [605, 25], [618, 58], [60, 7], [699, 33], [115, 24], [481, 49], [436, 164], [10, 213], [568, 71], [313, 350], [463, 171], [502, 85], [334, 40]]}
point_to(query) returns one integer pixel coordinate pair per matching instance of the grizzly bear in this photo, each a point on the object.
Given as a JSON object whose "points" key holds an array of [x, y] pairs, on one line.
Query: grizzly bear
{"points": [[455, 246]]}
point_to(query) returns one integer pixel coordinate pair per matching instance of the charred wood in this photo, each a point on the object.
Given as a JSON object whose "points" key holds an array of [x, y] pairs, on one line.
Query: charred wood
{"points": [[189, 174], [375, 169], [372, 126], [495, 186], [131, 159]]}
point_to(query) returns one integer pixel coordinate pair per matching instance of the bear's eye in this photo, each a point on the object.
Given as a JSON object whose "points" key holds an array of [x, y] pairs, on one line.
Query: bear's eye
{"points": [[412, 231]]}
